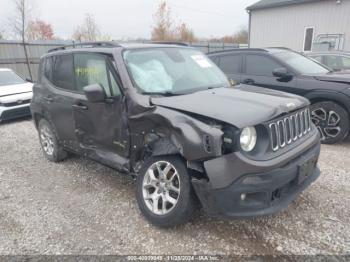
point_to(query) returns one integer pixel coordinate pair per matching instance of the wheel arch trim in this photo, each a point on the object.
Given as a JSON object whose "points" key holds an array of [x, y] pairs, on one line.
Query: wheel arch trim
{"points": [[323, 96]]}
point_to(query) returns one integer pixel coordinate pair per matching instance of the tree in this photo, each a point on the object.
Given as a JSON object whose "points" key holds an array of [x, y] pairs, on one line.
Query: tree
{"points": [[20, 21], [228, 39], [89, 31], [40, 30], [163, 28], [184, 33], [241, 37]]}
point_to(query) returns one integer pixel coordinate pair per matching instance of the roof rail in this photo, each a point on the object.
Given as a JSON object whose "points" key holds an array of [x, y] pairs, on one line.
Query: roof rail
{"points": [[168, 43], [86, 45], [279, 47], [237, 49]]}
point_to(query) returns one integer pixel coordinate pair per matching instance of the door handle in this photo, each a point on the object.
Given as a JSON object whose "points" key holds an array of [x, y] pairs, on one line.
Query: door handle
{"points": [[80, 107], [248, 81], [48, 99]]}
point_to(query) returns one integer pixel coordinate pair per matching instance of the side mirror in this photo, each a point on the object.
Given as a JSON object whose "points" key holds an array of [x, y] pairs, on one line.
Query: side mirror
{"points": [[282, 73], [95, 93]]}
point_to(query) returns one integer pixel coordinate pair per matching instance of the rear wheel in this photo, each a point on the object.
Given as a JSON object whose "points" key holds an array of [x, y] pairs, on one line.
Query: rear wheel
{"points": [[164, 192], [331, 120], [49, 142]]}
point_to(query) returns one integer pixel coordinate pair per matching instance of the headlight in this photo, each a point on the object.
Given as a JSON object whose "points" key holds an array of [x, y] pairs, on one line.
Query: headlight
{"points": [[248, 138]]}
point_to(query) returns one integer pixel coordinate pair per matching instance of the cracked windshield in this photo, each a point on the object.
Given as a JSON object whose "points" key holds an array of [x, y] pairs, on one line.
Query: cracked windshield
{"points": [[172, 71]]}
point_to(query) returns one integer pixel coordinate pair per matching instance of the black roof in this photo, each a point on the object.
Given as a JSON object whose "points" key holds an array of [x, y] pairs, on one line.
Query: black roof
{"points": [[262, 4]]}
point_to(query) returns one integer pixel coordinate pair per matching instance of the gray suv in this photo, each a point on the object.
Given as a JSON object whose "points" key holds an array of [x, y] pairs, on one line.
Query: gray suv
{"points": [[166, 115], [285, 70]]}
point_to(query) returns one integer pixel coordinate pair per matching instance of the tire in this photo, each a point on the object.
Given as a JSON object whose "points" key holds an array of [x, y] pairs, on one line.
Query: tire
{"points": [[49, 142], [331, 120], [169, 215]]}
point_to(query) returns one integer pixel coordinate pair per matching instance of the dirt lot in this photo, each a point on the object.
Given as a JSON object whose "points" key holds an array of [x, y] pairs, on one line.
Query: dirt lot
{"points": [[81, 207]]}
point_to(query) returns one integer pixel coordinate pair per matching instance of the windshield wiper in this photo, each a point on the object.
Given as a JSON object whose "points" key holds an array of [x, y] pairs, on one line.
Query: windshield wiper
{"points": [[213, 87], [166, 93]]}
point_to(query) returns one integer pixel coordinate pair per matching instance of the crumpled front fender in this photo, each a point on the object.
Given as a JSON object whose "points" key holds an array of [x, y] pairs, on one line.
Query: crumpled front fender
{"points": [[165, 131]]}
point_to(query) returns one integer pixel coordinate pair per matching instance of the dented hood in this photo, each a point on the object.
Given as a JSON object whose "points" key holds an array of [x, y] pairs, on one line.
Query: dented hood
{"points": [[240, 106]]}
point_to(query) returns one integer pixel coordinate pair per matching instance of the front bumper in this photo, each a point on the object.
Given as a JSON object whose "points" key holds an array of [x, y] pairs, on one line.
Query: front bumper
{"points": [[15, 106], [241, 190], [7, 113]]}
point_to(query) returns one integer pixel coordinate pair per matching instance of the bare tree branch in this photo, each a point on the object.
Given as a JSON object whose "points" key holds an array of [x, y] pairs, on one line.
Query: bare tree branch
{"points": [[88, 31], [21, 18], [165, 28], [19, 23]]}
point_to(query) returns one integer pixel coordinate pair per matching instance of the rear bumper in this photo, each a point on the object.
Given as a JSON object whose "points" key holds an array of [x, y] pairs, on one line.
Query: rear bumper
{"points": [[7, 113], [259, 193]]}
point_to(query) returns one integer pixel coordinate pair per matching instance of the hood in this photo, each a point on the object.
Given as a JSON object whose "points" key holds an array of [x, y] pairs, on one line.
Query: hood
{"points": [[15, 89], [240, 106], [341, 77]]}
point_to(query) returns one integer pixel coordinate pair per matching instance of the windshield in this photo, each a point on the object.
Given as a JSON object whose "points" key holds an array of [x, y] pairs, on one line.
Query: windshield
{"points": [[10, 78], [301, 64], [172, 70]]}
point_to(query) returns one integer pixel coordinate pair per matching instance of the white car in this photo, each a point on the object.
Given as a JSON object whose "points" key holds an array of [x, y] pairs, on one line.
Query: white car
{"points": [[15, 95]]}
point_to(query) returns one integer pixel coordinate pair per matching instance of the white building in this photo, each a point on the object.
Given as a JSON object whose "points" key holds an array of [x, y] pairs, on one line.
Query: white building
{"points": [[302, 25]]}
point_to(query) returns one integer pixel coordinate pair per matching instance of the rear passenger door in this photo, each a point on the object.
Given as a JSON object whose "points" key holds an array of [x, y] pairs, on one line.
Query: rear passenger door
{"points": [[60, 95], [231, 65], [258, 70]]}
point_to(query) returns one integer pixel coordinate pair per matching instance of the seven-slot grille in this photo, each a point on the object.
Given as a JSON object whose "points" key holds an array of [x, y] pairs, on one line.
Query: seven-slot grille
{"points": [[289, 129]]}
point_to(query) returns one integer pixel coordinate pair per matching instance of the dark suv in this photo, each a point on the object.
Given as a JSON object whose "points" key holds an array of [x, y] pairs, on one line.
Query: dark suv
{"points": [[168, 116], [285, 70]]}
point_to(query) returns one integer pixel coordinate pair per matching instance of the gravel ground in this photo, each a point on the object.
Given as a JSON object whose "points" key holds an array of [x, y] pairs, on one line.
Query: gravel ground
{"points": [[81, 207]]}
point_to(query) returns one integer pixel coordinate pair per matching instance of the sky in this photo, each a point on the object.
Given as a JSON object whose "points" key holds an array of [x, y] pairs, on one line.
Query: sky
{"points": [[123, 19]]}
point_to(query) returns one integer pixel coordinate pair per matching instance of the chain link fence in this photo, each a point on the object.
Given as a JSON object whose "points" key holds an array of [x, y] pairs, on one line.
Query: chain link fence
{"points": [[12, 54]]}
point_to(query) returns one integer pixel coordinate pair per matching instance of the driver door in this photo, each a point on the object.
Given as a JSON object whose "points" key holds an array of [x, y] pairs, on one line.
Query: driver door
{"points": [[101, 127], [258, 71]]}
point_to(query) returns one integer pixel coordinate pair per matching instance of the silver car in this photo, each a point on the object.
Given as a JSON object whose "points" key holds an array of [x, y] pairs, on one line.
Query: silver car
{"points": [[337, 61], [15, 95]]}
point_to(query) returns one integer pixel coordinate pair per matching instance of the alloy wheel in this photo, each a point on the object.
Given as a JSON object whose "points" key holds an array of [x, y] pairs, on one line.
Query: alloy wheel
{"points": [[161, 187], [46, 140], [327, 122]]}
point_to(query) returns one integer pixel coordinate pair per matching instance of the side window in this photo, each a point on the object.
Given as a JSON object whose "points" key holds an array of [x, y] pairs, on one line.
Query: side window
{"points": [[346, 62], [333, 62], [317, 58], [48, 68], [231, 64], [215, 59], [62, 72], [260, 65], [115, 91], [93, 69]]}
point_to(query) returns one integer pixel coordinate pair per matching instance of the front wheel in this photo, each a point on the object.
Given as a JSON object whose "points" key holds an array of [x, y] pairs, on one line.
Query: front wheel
{"points": [[164, 192], [331, 120]]}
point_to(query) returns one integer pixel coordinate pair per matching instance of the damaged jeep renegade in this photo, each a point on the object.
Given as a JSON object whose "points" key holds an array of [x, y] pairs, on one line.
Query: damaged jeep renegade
{"points": [[165, 114]]}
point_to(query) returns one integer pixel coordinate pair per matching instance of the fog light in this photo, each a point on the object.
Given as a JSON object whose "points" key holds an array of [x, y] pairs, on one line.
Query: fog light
{"points": [[243, 197]]}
